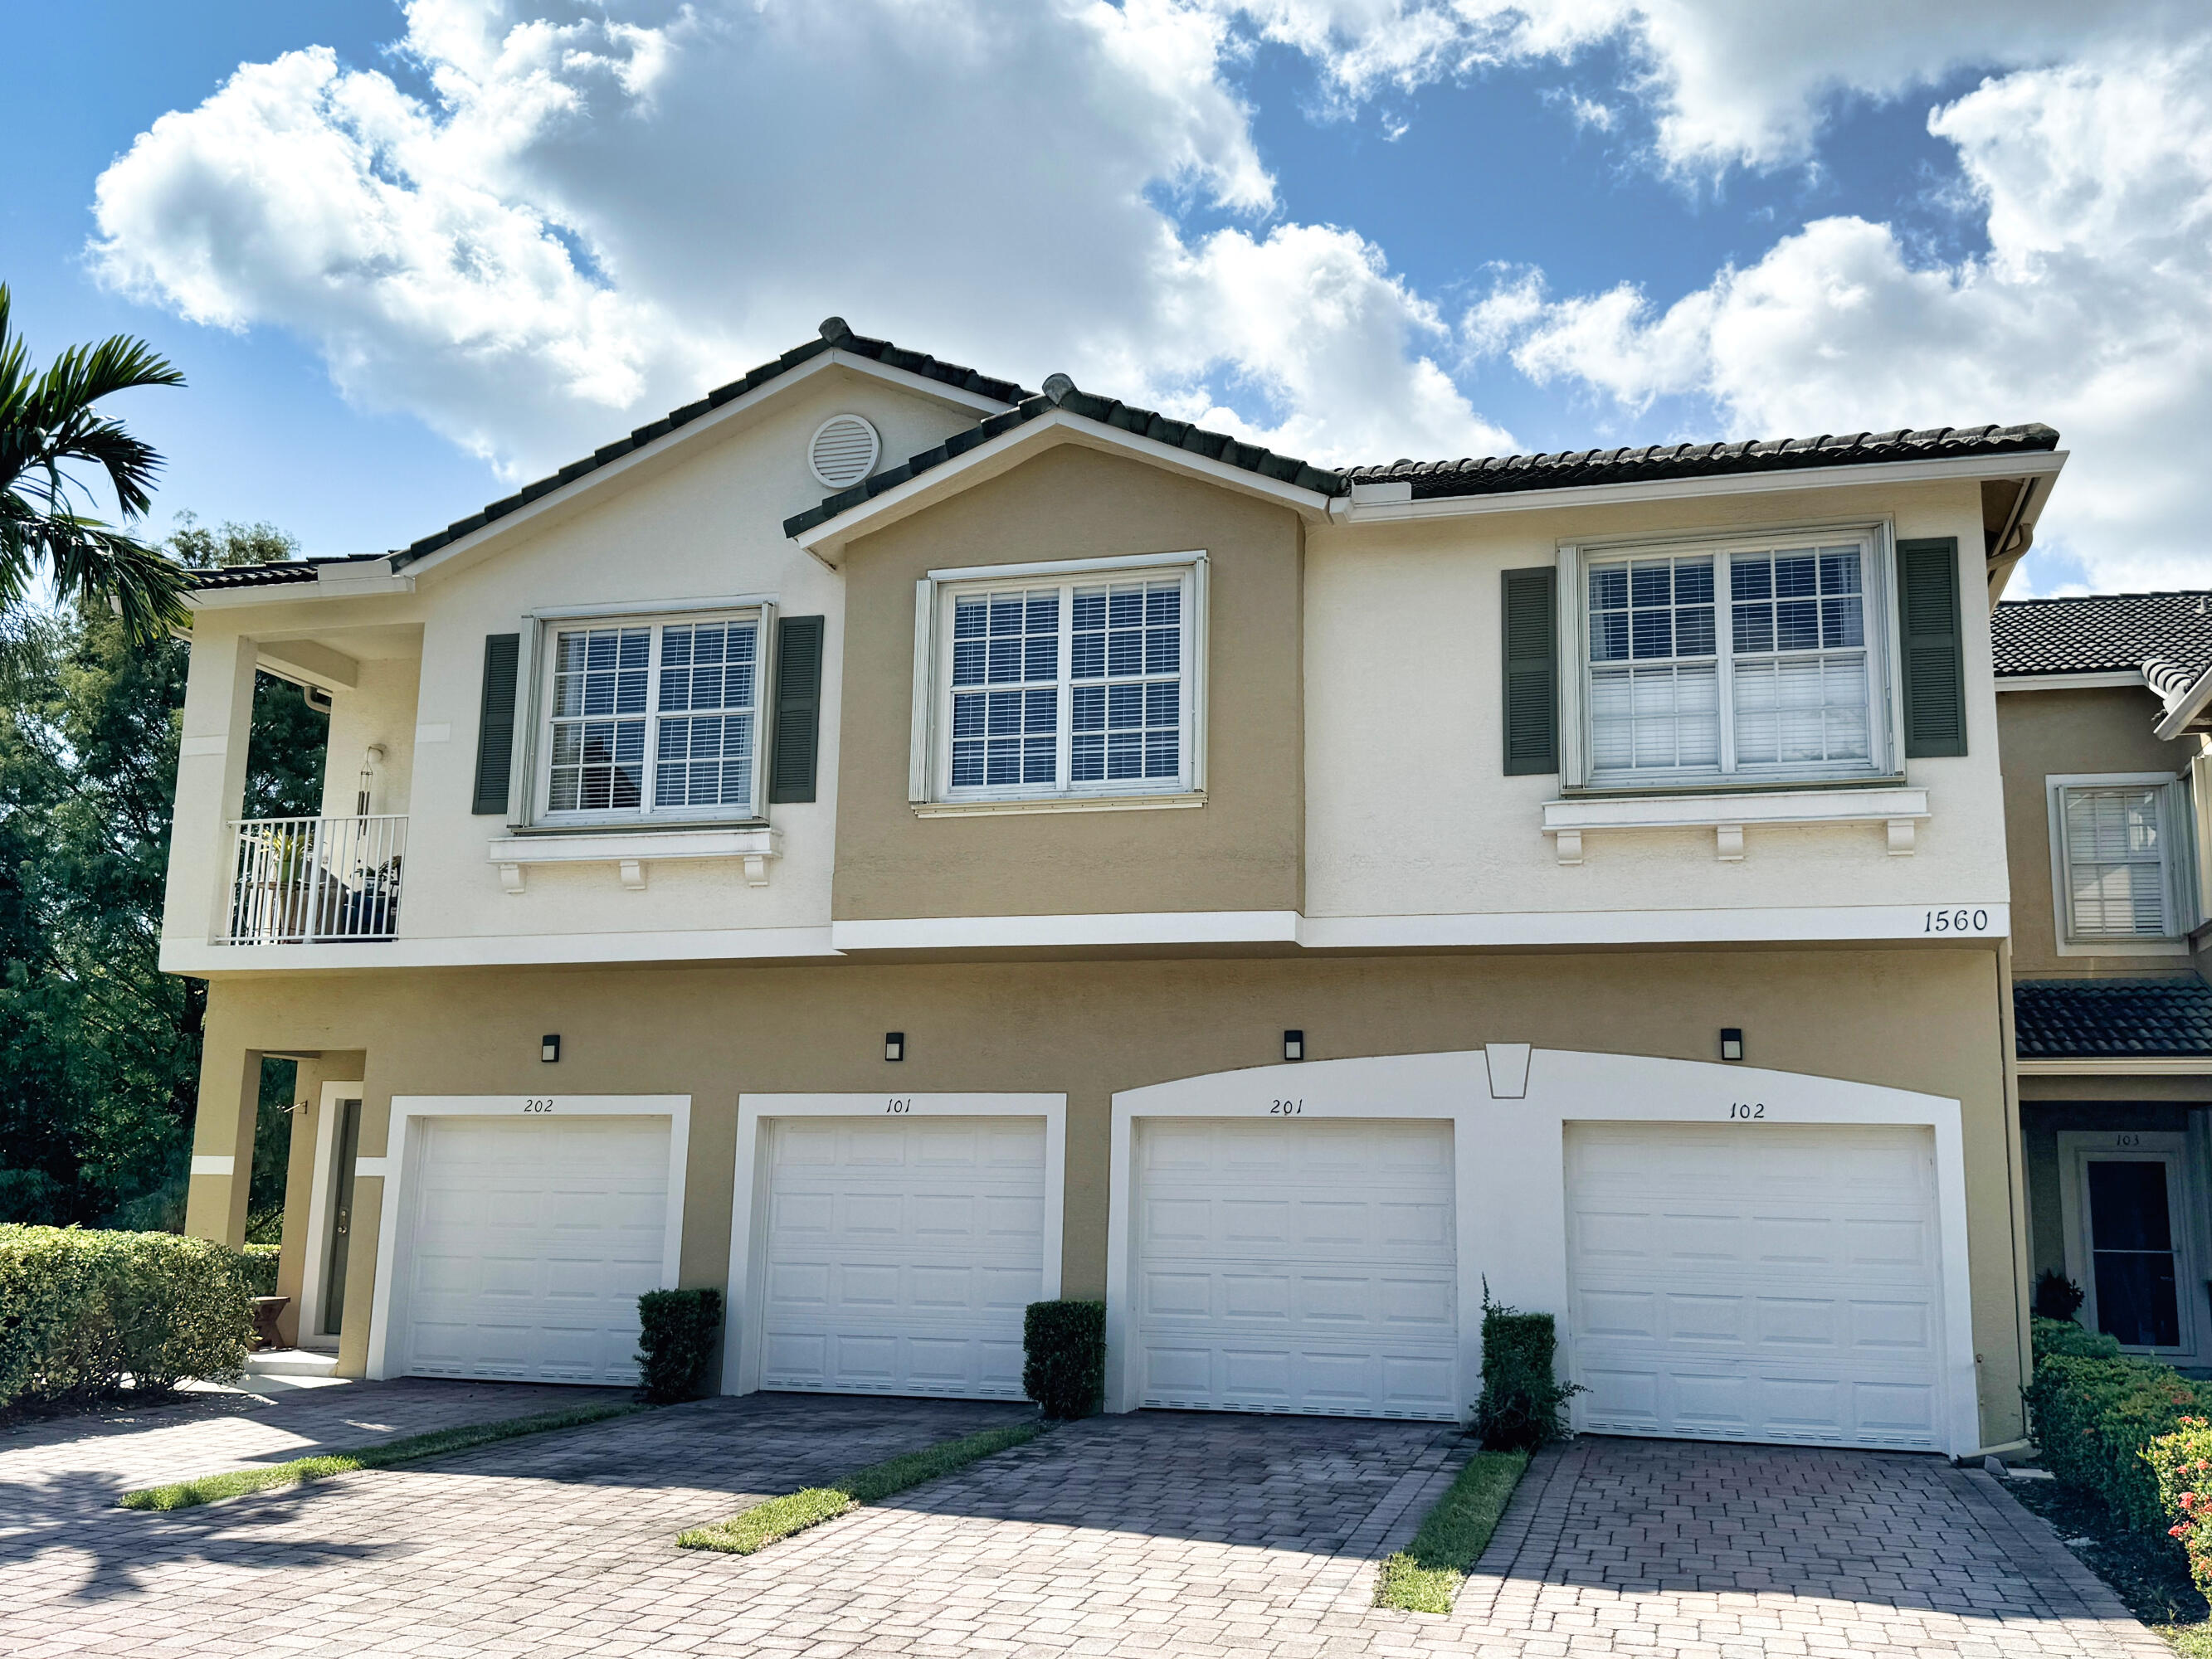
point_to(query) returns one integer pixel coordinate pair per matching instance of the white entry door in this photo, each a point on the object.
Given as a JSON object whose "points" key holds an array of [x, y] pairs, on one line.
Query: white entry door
{"points": [[1755, 1281], [1296, 1265], [527, 1243], [901, 1253]]}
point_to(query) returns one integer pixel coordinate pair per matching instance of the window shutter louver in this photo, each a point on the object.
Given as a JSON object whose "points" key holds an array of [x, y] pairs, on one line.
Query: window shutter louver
{"points": [[797, 708], [1935, 656], [1532, 671], [495, 722]]}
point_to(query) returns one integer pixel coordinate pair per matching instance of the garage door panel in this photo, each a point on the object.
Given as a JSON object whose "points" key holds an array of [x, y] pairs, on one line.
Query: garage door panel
{"points": [[1302, 1265], [1777, 1283], [901, 1253], [529, 1243]]}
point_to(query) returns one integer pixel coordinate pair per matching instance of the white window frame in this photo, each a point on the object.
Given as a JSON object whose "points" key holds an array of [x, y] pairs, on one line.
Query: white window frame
{"points": [[930, 751], [2174, 838], [534, 713], [1885, 710]]}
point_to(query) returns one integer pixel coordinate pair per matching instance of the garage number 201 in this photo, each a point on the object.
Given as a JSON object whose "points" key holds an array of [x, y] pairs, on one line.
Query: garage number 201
{"points": [[1286, 1109]]}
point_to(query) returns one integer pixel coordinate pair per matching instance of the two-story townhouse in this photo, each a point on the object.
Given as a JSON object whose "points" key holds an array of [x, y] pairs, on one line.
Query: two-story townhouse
{"points": [[1091, 856], [2105, 710]]}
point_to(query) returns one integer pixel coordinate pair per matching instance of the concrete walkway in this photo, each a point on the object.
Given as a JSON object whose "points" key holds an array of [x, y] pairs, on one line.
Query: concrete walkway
{"points": [[1158, 1534]]}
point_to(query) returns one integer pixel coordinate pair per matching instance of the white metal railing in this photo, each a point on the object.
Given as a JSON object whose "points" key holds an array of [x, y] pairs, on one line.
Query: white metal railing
{"points": [[297, 881]]}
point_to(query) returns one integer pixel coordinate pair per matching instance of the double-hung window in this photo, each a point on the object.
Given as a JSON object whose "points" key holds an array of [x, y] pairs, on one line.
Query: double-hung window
{"points": [[650, 719], [2121, 882], [1058, 682], [1746, 662]]}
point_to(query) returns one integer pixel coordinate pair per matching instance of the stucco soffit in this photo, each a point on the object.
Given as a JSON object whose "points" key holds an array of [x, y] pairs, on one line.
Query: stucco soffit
{"points": [[827, 542]]}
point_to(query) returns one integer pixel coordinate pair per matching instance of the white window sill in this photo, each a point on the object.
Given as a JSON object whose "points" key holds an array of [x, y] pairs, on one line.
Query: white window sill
{"points": [[2130, 946], [631, 850], [973, 809], [1899, 811]]}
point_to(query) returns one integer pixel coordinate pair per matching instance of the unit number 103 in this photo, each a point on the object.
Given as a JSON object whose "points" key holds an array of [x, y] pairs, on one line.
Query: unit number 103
{"points": [[1956, 921]]}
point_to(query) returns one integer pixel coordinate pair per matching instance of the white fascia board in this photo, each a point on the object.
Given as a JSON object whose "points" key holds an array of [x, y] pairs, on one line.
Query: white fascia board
{"points": [[323, 587], [1544, 929], [713, 418], [2121, 1066], [2042, 463], [1144, 928], [2096, 680], [2186, 713], [202, 960], [987, 460]]}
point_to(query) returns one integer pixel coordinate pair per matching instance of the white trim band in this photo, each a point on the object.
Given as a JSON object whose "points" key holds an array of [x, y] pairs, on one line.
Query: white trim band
{"points": [[214, 1163], [2121, 1066]]}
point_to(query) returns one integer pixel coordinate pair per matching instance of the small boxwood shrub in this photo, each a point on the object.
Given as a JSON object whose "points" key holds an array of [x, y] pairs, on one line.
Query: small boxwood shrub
{"points": [[2063, 1336], [1522, 1400], [676, 1343], [83, 1315], [2096, 1419], [1064, 1358], [261, 1267]]}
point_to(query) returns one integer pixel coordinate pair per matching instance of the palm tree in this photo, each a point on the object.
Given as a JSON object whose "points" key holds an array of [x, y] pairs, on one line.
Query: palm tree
{"points": [[47, 423]]}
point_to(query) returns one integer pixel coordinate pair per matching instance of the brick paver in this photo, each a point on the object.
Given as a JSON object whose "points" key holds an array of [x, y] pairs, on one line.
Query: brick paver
{"points": [[1159, 1534]]}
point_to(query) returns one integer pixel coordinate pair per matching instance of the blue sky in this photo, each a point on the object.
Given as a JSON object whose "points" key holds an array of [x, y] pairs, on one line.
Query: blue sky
{"points": [[478, 237]]}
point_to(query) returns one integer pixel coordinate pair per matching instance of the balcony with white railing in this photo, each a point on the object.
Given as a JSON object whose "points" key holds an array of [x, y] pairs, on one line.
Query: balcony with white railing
{"points": [[315, 881]]}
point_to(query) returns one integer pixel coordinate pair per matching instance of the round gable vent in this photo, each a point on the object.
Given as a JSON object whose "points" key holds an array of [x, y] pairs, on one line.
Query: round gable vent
{"points": [[843, 451]]}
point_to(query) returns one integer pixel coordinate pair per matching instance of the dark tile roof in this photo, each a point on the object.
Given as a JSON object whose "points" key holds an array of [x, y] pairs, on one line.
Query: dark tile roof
{"points": [[1492, 475], [2063, 1018], [1060, 393], [2104, 632], [271, 575]]}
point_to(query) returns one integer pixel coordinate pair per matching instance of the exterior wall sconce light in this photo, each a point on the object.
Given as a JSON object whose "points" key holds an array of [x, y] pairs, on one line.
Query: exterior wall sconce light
{"points": [[548, 1047], [1731, 1042], [1294, 1045], [895, 1045]]}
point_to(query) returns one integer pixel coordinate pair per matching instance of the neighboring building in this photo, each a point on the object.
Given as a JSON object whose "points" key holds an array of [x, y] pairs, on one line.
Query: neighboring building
{"points": [[2105, 707], [1096, 857]]}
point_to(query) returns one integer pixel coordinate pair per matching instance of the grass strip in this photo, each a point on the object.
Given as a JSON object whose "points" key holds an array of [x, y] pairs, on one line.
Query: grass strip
{"points": [[186, 1494], [779, 1517], [1425, 1575]]}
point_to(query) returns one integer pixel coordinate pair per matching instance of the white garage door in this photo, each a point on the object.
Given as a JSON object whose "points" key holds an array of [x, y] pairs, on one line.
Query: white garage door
{"points": [[1755, 1282], [900, 1253], [531, 1242], [1297, 1266]]}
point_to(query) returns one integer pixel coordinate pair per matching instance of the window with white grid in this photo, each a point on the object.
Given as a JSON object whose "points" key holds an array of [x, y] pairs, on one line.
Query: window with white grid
{"points": [[1747, 662], [1065, 685], [2116, 872], [651, 719]]}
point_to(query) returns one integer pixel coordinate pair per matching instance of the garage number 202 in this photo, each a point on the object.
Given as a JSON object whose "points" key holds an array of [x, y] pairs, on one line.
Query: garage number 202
{"points": [[535, 1104]]}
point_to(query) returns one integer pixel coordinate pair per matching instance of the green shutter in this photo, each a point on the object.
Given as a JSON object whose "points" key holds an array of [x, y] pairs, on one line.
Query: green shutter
{"points": [[1532, 671], [1935, 656], [495, 722], [797, 708]]}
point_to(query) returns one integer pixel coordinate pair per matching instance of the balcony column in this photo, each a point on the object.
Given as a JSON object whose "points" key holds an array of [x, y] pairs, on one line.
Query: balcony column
{"points": [[222, 1138], [218, 721]]}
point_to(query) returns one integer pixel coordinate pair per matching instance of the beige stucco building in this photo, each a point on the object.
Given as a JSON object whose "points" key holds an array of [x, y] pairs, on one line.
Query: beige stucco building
{"points": [[895, 845]]}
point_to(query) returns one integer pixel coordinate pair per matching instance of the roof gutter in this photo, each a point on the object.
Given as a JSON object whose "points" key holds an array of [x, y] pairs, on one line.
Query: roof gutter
{"points": [[2189, 710]]}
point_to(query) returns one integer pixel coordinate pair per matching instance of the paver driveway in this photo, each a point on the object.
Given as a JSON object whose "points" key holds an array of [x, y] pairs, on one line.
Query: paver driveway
{"points": [[1163, 1532]]}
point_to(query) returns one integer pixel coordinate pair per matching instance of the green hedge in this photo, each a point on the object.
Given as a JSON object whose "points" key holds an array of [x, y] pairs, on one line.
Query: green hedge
{"points": [[676, 1343], [80, 1312], [261, 1267], [2062, 1336], [2096, 1419], [1523, 1399], [1064, 1358]]}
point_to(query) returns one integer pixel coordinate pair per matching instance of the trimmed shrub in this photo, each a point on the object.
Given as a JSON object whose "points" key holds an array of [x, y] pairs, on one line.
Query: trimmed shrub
{"points": [[2095, 1419], [1522, 1398], [261, 1267], [81, 1313], [676, 1343], [2182, 1463], [2052, 1337], [1064, 1358]]}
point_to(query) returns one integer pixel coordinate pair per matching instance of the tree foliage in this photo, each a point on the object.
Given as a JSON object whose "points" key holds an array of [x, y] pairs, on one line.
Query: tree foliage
{"points": [[99, 1049]]}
